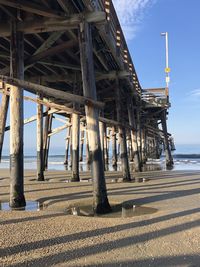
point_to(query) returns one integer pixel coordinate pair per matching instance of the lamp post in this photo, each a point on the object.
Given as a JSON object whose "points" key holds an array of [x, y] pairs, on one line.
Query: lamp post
{"points": [[167, 69]]}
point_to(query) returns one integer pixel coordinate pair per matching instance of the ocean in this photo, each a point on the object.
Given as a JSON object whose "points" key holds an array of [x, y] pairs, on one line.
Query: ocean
{"points": [[186, 157]]}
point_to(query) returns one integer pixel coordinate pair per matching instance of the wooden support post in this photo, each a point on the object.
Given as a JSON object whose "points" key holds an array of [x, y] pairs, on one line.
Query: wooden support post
{"points": [[75, 147], [82, 144], [3, 117], [124, 156], [87, 149], [67, 145], [45, 137], [130, 148], [114, 148], [122, 137], [138, 139], [17, 198], [169, 159], [143, 146], [101, 132], [40, 158], [47, 145], [100, 200], [106, 158], [75, 137], [70, 148]]}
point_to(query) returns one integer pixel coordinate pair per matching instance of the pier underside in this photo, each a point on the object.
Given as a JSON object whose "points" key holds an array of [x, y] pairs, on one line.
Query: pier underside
{"points": [[73, 56]]}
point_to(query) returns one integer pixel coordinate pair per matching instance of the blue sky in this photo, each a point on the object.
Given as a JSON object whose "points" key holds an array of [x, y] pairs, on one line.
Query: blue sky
{"points": [[143, 21], [181, 19]]}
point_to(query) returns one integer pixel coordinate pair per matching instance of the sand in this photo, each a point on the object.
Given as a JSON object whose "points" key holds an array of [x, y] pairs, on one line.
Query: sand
{"points": [[169, 236]]}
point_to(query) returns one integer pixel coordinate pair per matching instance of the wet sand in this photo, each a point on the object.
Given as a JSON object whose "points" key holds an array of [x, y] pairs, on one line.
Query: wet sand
{"points": [[169, 236]]}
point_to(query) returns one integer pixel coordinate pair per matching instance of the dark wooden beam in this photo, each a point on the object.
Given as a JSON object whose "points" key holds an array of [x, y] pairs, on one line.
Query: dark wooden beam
{"points": [[50, 92], [50, 25], [32, 8]]}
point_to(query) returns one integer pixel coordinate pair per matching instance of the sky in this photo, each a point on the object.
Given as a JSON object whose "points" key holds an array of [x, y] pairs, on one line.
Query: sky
{"points": [[142, 22]]}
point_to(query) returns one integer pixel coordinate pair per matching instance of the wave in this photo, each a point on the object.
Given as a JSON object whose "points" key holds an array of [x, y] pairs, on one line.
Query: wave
{"points": [[187, 156]]}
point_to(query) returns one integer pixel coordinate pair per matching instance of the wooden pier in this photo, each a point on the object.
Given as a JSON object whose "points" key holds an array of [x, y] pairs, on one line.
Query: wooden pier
{"points": [[73, 56]]}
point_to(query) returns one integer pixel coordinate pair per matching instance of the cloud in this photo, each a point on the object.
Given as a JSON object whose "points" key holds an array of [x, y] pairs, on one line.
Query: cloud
{"points": [[131, 14], [195, 93]]}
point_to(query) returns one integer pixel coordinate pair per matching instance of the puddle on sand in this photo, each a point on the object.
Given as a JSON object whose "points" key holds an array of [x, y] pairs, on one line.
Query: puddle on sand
{"points": [[124, 210], [30, 206]]}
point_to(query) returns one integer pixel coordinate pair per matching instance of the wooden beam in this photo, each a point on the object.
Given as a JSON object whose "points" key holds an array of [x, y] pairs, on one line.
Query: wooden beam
{"points": [[32, 8], [58, 129], [49, 42], [50, 25], [59, 64], [69, 78], [154, 90], [33, 118], [49, 52], [112, 75], [50, 92], [49, 104]]}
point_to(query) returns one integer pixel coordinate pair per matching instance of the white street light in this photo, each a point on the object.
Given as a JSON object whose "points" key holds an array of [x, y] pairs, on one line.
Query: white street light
{"points": [[167, 69]]}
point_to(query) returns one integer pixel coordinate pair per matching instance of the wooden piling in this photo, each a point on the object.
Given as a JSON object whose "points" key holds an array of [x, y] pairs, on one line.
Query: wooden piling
{"points": [[100, 200], [49, 126], [82, 144], [122, 136], [17, 198], [102, 139], [106, 157], [67, 145], [45, 137], [87, 149], [168, 155], [3, 117], [75, 147], [132, 122], [114, 148], [75, 135], [40, 158]]}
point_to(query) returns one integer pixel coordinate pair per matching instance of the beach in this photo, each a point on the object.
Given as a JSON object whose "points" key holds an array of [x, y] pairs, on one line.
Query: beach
{"points": [[165, 231]]}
